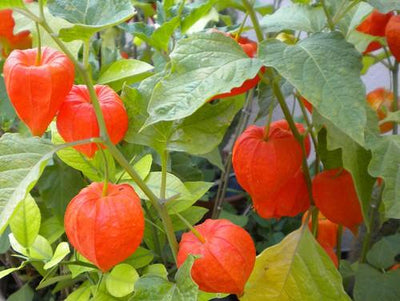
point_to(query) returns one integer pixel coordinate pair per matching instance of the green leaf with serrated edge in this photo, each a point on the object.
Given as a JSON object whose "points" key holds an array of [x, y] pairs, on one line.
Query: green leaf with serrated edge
{"points": [[52, 229], [23, 23], [121, 280], [203, 65], [61, 251], [385, 6], [57, 186], [83, 293], [11, 4], [140, 258], [22, 161], [295, 17], [134, 70], [355, 158], [198, 10], [295, 269], [325, 69], [25, 222], [385, 164], [192, 215], [157, 269], [156, 288], [85, 16], [373, 285], [383, 253], [92, 168], [6, 272], [197, 134]]}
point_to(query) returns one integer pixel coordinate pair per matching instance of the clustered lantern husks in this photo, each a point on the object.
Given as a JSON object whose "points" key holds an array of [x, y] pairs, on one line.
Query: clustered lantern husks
{"points": [[77, 118], [226, 257], [45, 85], [105, 229], [270, 169]]}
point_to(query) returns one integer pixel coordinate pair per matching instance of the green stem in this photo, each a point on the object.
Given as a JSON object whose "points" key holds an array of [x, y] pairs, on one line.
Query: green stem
{"points": [[314, 221], [395, 76], [106, 173], [86, 53], [339, 243], [237, 36], [252, 13], [367, 238], [192, 229], [154, 228], [163, 188], [268, 123], [340, 14], [39, 46], [328, 16]]}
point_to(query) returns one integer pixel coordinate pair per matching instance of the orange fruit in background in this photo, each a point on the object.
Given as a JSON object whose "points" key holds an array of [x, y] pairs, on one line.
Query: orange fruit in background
{"points": [[381, 100]]}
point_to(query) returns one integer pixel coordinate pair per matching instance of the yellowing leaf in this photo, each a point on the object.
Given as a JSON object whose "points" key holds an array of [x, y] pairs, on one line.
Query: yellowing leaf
{"points": [[295, 269]]}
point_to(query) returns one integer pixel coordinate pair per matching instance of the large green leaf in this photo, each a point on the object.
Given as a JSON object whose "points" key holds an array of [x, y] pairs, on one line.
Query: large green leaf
{"points": [[385, 6], [25, 222], [203, 66], [89, 16], [121, 280], [385, 164], [22, 161], [295, 269], [197, 134], [156, 288], [373, 285], [325, 69], [383, 253], [295, 17]]}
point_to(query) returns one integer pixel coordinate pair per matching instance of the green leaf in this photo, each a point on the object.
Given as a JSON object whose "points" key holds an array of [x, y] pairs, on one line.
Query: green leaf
{"points": [[77, 269], [196, 191], [384, 164], [197, 134], [142, 167], [25, 222], [383, 253], [140, 258], [156, 288], [295, 17], [330, 158], [7, 272], [193, 215], [203, 66], [86, 17], [7, 112], [354, 17], [61, 251], [11, 4], [25, 293], [198, 10], [121, 281], [83, 293], [4, 241], [51, 228], [325, 69], [22, 161], [40, 249], [125, 70], [157, 269], [385, 6], [295, 269], [91, 168], [372, 285], [240, 220], [58, 185]]}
